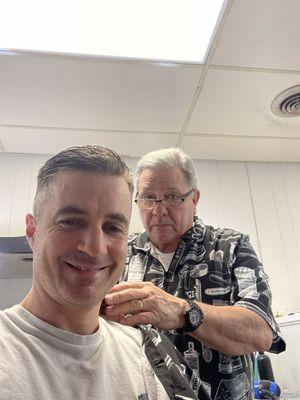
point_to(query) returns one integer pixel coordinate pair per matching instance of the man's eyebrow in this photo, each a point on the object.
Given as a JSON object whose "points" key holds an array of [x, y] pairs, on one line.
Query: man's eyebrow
{"points": [[71, 210], [118, 218], [151, 189], [172, 188]]}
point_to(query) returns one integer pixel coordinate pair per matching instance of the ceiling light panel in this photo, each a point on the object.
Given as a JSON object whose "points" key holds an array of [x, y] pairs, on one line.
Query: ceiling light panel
{"points": [[172, 30]]}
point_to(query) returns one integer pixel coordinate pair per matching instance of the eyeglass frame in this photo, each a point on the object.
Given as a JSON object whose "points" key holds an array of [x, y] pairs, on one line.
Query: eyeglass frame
{"points": [[155, 201]]}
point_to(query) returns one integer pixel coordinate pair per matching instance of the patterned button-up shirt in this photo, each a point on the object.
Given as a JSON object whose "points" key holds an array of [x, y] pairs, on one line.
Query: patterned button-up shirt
{"points": [[217, 267]]}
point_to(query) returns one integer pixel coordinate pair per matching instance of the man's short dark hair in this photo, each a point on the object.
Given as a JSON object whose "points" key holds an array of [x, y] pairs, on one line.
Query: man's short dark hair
{"points": [[80, 158]]}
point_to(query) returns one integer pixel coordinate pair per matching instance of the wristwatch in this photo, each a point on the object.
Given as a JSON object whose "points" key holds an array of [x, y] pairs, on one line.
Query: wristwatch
{"points": [[193, 318]]}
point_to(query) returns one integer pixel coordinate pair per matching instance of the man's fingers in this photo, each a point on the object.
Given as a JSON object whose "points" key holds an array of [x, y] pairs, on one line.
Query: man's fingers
{"points": [[143, 303], [127, 285], [130, 307], [126, 294], [143, 318]]}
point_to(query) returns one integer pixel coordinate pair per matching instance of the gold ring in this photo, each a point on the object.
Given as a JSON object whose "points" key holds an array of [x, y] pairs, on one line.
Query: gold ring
{"points": [[141, 304]]}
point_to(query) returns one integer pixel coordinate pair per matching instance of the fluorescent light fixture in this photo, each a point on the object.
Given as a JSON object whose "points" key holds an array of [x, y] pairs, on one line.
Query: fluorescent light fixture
{"points": [[168, 30]]}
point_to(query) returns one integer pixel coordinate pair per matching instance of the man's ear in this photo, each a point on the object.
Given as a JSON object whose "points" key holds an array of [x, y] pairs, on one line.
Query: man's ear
{"points": [[196, 197], [30, 229]]}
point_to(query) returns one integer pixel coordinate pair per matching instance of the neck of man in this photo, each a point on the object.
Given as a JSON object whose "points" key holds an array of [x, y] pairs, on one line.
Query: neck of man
{"points": [[166, 247], [68, 318]]}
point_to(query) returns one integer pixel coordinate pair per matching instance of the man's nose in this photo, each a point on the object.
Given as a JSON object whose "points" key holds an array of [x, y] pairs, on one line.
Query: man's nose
{"points": [[93, 242], [159, 209]]}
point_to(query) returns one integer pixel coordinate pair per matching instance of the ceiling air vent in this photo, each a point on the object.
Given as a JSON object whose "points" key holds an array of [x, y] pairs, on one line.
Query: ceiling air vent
{"points": [[287, 103]]}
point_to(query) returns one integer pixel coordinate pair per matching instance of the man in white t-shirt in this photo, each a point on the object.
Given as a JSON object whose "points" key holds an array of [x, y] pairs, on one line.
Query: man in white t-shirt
{"points": [[53, 345]]}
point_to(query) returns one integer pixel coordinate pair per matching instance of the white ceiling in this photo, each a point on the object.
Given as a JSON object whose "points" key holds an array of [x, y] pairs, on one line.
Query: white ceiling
{"points": [[219, 110]]}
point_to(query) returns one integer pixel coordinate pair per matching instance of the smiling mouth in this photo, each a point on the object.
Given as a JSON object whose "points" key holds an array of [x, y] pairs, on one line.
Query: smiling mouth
{"points": [[85, 269]]}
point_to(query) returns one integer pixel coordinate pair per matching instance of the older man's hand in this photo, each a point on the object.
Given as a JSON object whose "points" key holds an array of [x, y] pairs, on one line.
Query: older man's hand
{"points": [[133, 303]]}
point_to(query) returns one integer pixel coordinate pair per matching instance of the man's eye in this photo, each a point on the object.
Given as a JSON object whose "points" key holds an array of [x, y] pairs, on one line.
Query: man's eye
{"points": [[172, 196], [71, 222], [114, 230]]}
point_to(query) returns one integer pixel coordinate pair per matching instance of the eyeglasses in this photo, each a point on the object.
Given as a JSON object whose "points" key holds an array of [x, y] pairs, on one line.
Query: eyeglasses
{"points": [[170, 201]]}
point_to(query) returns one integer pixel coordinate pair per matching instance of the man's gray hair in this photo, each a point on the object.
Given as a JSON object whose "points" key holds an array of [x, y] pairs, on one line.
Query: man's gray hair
{"points": [[168, 158], [79, 158]]}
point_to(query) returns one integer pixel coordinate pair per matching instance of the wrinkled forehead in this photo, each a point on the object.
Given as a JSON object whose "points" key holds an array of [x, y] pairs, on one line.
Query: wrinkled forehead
{"points": [[88, 190], [171, 178]]}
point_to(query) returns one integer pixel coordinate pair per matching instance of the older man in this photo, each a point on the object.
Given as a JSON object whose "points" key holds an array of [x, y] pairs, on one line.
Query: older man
{"points": [[204, 285], [53, 345]]}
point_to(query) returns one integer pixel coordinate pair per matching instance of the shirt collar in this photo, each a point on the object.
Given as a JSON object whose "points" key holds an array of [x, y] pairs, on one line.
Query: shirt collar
{"points": [[141, 241]]}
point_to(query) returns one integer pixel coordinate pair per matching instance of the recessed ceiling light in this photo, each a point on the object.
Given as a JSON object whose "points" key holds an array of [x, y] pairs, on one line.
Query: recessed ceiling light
{"points": [[167, 30]]}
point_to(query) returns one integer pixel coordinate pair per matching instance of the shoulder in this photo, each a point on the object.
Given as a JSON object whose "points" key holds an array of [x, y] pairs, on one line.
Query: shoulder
{"points": [[3, 323], [132, 237], [138, 239], [201, 231], [138, 242], [225, 235], [11, 335], [7, 317], [125, 335]]}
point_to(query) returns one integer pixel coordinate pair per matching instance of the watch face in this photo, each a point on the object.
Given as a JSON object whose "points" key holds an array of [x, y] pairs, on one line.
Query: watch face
{"points": [[194, 317]]}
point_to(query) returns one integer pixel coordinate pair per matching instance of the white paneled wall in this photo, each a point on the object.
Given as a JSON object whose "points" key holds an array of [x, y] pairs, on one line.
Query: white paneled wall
{"points": [[17, 187], [286, 366], [261, 199]]}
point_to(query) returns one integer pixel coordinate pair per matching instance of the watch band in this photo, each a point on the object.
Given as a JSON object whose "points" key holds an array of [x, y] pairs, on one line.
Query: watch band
{"points": [[193, 318]]}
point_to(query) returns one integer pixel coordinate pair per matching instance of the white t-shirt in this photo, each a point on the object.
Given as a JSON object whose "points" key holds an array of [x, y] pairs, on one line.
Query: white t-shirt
{"points": [[41, 362], [164, 258]]}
